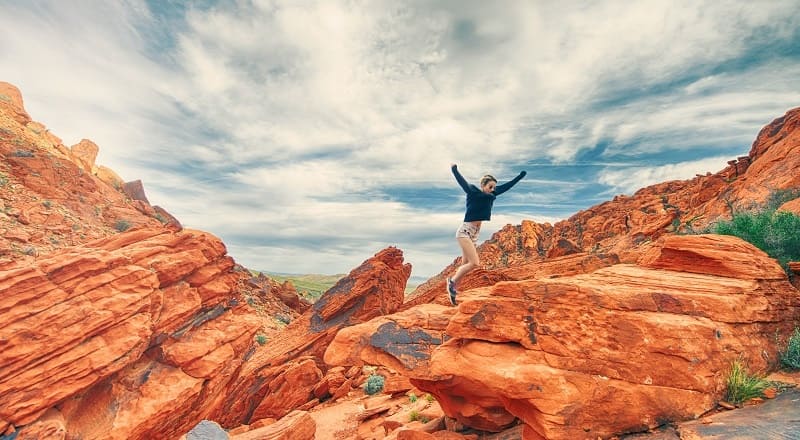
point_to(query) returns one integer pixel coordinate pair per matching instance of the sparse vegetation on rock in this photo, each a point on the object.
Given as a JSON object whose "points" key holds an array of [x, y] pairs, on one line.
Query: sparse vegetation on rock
{"points": [[775, 232], [790, 358], [374, 384], [122, 225], [742, 385]]}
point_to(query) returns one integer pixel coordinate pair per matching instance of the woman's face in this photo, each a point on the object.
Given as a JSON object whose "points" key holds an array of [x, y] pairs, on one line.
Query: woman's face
{"points": [[489, 186]]}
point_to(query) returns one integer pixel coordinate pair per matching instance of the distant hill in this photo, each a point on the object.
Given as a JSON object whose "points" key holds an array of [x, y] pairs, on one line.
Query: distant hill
{"points": [[316, 284]]}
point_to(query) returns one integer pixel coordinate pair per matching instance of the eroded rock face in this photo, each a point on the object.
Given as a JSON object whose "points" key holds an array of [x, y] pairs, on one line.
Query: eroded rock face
{"points": [[623, 348], [84, 154], [284, 374], [126, 337], [52, 196], [297, 425]]}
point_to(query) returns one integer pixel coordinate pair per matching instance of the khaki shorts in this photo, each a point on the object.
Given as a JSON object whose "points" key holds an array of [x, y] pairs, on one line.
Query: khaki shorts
{"points": [[468, 230]]}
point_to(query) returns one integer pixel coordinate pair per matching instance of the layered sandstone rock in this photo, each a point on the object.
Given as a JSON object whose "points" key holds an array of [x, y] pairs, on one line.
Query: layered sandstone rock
{"points": [[620, 349], [286, 372], [127, 337], [498, 268], [297, 425], [792, 206], [16, 108], [84, 154]]}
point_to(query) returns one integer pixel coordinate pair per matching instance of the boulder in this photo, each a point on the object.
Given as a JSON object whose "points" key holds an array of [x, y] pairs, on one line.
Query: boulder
{"points": [[645, 343]]}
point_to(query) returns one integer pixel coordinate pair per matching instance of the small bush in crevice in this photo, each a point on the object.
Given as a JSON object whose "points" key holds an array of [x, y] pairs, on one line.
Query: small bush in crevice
{"points": [[22, 153], [283, 319], [790, 358], [742, 386], [261, 339], [374, 384], [122, 225]]}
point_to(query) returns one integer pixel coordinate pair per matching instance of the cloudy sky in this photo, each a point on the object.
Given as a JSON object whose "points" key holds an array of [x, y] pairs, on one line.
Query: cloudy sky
{"points": [[309, 135]]}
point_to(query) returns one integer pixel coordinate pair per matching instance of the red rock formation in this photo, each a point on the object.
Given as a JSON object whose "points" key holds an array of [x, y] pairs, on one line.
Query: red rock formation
{"points": [[84, 154], [15, 108], [646, 343], [53, 198], [135, 190], [791, 206], [146, 322], [167, 219], [298, 425], [285, 373]]}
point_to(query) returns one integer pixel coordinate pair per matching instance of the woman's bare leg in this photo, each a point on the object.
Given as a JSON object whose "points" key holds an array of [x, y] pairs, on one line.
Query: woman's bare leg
{"points": [[469, 259]]}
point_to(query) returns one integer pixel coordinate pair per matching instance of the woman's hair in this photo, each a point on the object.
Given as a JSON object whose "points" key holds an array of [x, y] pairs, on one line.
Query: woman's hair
{"points": [[487, 178]]}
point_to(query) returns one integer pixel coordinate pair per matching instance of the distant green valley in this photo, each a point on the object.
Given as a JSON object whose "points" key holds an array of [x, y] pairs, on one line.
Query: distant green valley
{"points": [[312, 286], [309, 286]]}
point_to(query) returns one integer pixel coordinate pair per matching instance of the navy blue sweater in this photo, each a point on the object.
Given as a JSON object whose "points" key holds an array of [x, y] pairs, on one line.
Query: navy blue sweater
{"points": [[479, 204]]}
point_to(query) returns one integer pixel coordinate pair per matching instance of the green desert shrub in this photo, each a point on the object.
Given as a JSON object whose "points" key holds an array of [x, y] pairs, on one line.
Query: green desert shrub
{"points": [[122, 225], [261, 339], [775, 232], [22, 153], [412, 397], [374, 384], [742, 386], [790, 358], [283, 319]]}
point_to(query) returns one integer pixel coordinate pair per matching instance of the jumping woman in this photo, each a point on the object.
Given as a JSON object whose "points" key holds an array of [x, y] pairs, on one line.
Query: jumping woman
{"points": [[479, 209]]}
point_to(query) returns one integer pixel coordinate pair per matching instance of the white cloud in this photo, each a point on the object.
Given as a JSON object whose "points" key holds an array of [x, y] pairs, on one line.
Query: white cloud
{"points": [[280, 120]]}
